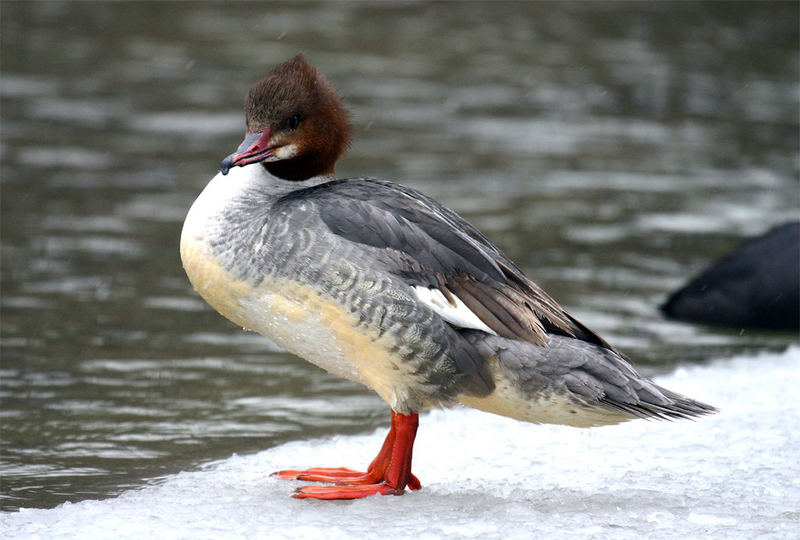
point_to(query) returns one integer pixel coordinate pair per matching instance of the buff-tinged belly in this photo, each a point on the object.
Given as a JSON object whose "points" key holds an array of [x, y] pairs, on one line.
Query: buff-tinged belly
{"points": [[301, 320], [217, 286]]}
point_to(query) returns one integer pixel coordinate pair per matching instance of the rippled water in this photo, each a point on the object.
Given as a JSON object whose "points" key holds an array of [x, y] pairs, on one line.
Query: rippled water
{"points": [[611, 150]]}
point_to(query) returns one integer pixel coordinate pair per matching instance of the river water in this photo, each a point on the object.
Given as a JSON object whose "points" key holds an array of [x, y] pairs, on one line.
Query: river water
{"points": [[612, 150]]}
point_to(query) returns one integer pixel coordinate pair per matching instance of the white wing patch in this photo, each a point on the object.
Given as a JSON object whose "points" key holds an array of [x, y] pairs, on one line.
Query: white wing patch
{"points": [[459, 315]]}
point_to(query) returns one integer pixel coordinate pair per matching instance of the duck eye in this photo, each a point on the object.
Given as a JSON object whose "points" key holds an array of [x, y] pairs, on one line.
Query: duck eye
{"points": [[294, 121]]}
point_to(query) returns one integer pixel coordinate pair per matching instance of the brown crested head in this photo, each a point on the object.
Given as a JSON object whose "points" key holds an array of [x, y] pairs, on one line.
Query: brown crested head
{"points": [[297, 124]]}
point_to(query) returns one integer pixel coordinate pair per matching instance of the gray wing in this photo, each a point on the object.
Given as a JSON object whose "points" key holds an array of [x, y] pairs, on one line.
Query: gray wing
{"points": [[429, 245], [596, 376]]}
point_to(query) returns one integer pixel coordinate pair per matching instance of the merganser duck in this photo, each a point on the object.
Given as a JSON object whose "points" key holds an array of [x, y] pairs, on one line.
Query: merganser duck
{"points": [[377, 283]]}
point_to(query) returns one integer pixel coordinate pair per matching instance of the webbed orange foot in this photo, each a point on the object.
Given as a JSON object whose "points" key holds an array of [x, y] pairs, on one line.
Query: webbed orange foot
{"points": [[388, 474], [328, 493]]}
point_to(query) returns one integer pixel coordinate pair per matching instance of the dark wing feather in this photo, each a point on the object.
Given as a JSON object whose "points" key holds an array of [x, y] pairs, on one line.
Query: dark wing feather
{"points": [[432, 246]]}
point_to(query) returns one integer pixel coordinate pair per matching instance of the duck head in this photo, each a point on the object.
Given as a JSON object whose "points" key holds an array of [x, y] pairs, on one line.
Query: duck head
{"points": [[297, 125]]}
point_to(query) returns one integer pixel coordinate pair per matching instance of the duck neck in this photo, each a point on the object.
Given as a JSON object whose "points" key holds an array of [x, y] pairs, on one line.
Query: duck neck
{"points": [[299, 168]]}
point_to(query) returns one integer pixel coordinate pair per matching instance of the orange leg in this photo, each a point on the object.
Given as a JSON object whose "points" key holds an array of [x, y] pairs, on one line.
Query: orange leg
{"points": [[389, 473]]}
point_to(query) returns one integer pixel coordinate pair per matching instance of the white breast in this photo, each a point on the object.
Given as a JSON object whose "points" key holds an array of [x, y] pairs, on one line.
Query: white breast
{"points": [[218, 194], [293, 315]]}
